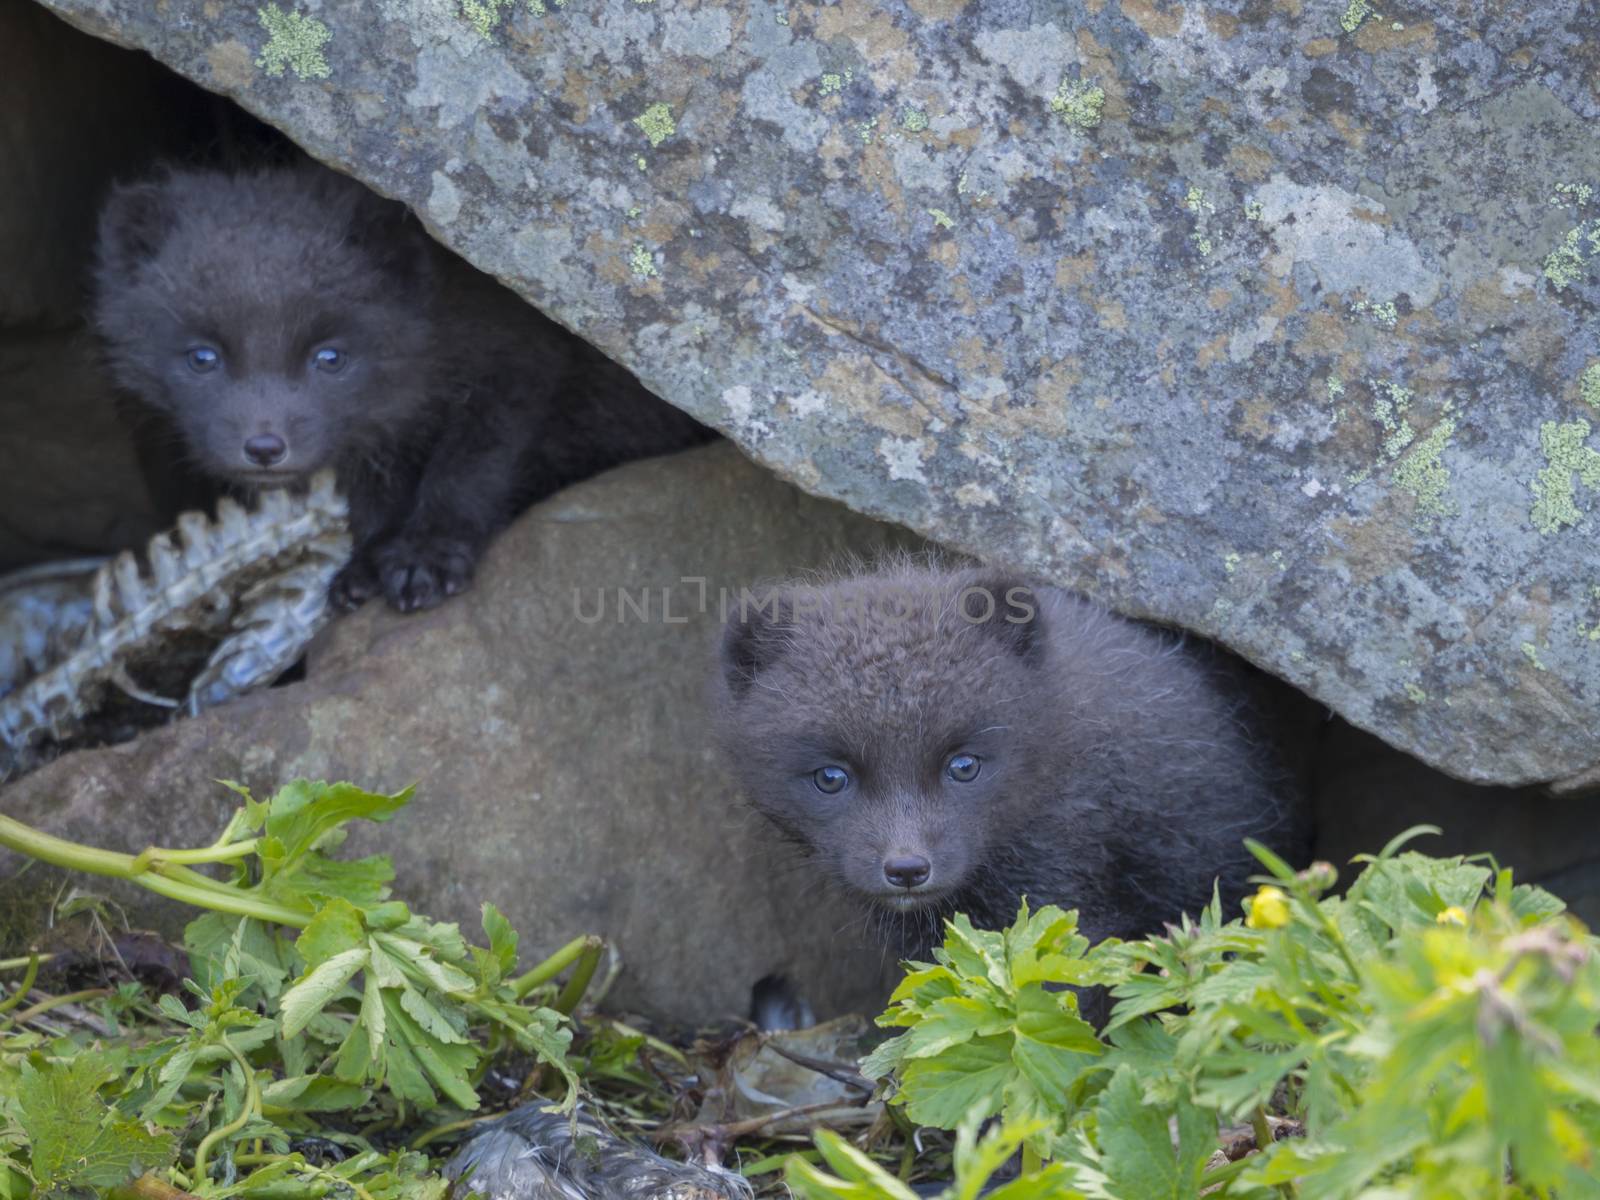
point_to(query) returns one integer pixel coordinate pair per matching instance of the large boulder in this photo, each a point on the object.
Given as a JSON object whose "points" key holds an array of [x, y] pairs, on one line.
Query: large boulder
{"points": [[553, 721], [1273, 320]]}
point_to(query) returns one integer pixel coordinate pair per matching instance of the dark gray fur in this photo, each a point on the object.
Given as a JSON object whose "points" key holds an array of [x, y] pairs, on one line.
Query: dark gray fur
{"points": [[457, 406], [1122, 765]]}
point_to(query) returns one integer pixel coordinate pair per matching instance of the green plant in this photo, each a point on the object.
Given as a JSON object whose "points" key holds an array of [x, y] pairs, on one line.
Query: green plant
{"points": [[1432, 1032], [362, 1015]]}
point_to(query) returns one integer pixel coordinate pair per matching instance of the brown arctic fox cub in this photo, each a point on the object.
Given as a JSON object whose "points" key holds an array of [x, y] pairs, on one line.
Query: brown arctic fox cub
{"points": [[287, 319], [943, 741]]}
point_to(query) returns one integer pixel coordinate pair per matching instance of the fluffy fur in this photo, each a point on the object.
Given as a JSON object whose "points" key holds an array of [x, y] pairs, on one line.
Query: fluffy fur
{"points": [[1120, 766], [344, 337]]}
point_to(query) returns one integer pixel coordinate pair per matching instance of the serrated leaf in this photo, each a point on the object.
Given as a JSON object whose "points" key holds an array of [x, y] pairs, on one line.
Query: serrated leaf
{"points": [[171, 1076], [314, 1093], [1053, 1047], [445, 1025], [969, 1078], [311, 994], [1136, 1148], [413, 958], [446, 1066], [75, 1139], [336, 929], [502, 942]]}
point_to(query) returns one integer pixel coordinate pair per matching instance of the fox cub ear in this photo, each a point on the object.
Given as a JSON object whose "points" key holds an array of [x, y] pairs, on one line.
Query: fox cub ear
{"points": [[1006, 608], [754, 637], [134, 223]]}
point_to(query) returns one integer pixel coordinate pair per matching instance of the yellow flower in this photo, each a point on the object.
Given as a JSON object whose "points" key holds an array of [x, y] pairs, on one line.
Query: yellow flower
{"points": [[1269, 908], [1454, 915]]}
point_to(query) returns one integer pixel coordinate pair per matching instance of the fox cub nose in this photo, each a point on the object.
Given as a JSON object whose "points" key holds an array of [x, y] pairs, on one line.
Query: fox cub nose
{"points": [[907, 871], [266, 449]]}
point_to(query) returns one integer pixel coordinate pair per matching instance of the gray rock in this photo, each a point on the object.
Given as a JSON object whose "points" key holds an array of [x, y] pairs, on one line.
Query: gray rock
{"points": [[1267, 320], [552, 719]]}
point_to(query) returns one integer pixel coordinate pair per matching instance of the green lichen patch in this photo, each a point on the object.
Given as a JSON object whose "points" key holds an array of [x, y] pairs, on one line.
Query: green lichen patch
{"points": [[1390, 403], [1383, 314], [1555, 495], [641, 262], [1355, 12], [913, 120], [1422, 474], [656, 122], [832, 83], [1531, 653], [294, 42], [1079, 103], [1589, 385], [941, 218], [1254, 210], [1415, 694], [1571, 195], [1230, 563], [1569, 261], [1335, 387]]}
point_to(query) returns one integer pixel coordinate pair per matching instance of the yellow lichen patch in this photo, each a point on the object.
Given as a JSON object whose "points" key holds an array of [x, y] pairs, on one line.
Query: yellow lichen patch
{"points": [[231, 66], [1567, 458], [294, 42], [656, 123], [1375, 37], [1155, 19]]}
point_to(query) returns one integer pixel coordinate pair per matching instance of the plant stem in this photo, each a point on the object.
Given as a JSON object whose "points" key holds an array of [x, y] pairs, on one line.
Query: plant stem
{"points": [[552, 966], [189, 886], [151, 855], [252, 1101], [1262, 1127], [23, 988], [49, 1002], [11, 964], [578, 982]]}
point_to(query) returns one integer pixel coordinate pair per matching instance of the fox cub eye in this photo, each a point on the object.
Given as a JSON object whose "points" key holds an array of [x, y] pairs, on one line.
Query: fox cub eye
{"points": [[964, 768], [202, 359], [830, 779], [330, 359]]}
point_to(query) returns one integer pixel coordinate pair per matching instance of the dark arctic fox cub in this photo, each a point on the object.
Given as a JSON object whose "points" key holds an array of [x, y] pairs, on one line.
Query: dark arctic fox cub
{"points": [[951, 740], [288, 319]]}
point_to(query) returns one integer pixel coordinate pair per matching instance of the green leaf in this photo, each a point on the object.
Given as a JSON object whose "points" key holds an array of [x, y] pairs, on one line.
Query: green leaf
{"points": [[313, 991], [969, 1078], [314, 1093], [1053, 1046], [1136, 1148], [502, 941], [336, 929], [75, 1138]]}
